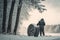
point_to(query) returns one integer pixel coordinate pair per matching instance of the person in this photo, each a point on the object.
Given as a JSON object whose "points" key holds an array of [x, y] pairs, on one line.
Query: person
{"points": [[41, 24]]}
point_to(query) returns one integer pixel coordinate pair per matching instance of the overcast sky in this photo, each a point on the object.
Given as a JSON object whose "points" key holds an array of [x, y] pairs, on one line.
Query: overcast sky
{"points": [[52, 16]]}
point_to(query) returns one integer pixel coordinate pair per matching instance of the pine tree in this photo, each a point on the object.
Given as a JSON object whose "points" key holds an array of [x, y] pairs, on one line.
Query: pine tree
{"points": [[10, 16], [17, 17], [4, 16]]}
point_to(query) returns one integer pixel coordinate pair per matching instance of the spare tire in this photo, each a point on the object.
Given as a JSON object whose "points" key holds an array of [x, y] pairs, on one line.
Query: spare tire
{"points": [[36, 32], [31, 30]]}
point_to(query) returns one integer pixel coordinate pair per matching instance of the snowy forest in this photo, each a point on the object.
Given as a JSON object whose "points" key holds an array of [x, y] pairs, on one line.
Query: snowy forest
{"points": [[13, 13], [29, 19]]}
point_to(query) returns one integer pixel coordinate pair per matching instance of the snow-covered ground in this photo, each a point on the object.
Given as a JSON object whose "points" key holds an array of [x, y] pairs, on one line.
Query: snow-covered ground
{"points": [[52, 34], [19, 37]]}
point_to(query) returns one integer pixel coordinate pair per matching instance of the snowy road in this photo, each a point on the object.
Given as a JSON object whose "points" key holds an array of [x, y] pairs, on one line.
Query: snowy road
{"points": [[17, 37]]}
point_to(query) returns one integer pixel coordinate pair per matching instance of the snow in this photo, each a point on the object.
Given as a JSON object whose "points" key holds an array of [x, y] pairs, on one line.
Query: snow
{"points": [[52, 34], [19, 37]]}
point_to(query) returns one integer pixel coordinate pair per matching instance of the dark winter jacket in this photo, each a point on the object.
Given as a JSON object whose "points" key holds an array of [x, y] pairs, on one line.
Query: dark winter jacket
{"points": [[41, 23]]}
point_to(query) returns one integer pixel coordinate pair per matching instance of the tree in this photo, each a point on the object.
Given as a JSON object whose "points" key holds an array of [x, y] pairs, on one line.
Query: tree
{"points": [[17, 17], [10, 16], [4, 16], [34, 3]]}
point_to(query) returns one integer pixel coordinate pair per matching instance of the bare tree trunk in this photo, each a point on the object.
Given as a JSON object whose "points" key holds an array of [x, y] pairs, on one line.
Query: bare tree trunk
{"points": [[4, 16], [17, 17], [10, 17]]}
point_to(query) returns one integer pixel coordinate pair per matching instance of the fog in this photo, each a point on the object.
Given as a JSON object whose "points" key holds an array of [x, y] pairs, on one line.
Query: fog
{"points": [[30, 15], [51, 16]]}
